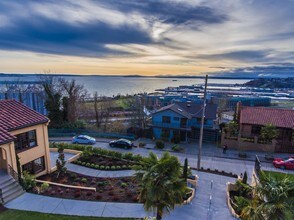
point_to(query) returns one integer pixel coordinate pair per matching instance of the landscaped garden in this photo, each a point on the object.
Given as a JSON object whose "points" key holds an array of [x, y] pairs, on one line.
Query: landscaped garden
{"points": [[124, 189], [97, 158]]}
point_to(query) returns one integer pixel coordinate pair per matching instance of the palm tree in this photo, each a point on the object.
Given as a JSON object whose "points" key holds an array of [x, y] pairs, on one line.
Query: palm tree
{"points": [[161, 185], [278, 197]]}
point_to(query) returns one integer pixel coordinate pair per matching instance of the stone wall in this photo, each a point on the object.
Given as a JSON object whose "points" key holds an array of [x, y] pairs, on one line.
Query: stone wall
{"points": [[239, 144]]}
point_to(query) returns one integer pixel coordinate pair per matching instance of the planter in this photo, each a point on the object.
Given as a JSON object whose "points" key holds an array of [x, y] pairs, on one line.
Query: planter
{"points": [[191, 196], [193, 180], [231, 187]]}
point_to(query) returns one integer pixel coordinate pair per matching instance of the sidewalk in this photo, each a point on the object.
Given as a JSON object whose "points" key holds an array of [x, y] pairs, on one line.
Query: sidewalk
{"points": [[211, 150], [46, 204]]}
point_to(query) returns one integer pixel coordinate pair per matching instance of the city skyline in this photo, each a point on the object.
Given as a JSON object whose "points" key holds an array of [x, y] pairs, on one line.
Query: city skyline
{"points": [[166, 37]]}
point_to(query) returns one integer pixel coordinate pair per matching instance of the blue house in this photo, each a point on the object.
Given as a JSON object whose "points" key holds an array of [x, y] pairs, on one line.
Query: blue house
{"points": [[182, 121]]}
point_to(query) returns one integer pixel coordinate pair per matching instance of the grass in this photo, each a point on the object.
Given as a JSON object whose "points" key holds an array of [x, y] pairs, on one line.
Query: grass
{"points": [[26, 215], [278, 175]]}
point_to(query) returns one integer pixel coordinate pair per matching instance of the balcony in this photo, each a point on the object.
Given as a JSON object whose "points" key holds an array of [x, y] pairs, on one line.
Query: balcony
{"points": [[171, 126]]}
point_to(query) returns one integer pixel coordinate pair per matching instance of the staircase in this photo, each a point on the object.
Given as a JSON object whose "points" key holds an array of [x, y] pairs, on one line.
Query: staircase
{"points": [[9, 188]]}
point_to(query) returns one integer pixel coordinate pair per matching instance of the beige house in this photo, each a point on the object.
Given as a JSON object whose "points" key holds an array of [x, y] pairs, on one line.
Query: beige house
{"points": [[23, 134]]}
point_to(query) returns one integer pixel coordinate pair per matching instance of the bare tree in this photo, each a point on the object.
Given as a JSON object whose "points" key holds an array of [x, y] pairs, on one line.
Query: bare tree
{"points": [[74, 94], [102, 107]]}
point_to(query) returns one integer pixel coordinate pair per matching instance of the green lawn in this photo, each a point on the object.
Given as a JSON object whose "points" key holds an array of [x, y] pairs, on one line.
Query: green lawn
{"points": [[25, 215], [279, 175]]}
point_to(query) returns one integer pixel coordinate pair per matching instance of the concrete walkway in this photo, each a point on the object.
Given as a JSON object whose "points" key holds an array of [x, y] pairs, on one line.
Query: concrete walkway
{"points": [[45, 204], [200, 207], [98, 173]]}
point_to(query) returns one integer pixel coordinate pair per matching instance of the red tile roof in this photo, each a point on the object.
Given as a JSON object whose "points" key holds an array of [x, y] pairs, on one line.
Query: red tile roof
{"points": [[5, 137], [14, 115], [282, 118]]}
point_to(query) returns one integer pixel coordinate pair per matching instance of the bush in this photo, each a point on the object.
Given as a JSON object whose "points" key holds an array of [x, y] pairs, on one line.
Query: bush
{"points": [[177, 148], [44, 187], [88, 164], [142, 144], [93, 165], [102, 167], [84, 163], [29, 181], [84, 180], [97, 167], [159, 144], [112, 167], [107, 167], [123, 185]]}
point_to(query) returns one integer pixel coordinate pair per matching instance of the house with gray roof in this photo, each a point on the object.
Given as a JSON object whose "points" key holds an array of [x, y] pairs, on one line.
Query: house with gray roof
{"points": [[181, 122]]}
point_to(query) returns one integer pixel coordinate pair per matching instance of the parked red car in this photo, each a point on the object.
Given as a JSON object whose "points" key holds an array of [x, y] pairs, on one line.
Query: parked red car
{"points": [[287, 163]]}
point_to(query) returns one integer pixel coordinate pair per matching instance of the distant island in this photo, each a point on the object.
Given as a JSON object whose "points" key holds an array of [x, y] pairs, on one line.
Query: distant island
{"points": [[272, 83]]}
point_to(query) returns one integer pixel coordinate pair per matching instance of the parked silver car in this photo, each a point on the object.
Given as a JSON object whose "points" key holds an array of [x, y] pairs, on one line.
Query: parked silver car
{"points": [[83, 139]]}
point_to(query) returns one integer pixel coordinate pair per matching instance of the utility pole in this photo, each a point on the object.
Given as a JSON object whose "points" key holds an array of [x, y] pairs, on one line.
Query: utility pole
{"points": [[202, 124]]}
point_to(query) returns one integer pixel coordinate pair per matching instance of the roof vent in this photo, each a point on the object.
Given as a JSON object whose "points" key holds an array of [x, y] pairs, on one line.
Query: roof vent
{"points": [[180, 109], [188, 105]]}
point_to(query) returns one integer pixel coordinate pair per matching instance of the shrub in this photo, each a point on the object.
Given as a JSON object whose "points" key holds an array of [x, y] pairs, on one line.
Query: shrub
{"points": [[142, 144], [88, 164], [102, 167], [123, 185], [245, 177], [97, 167], [128, 156], [93, 165], [124, 166], [112, 167], [84, 163], [177, 148], [44, 187], [159, 144], [107, 167], [77, 179], [118, 167], [84, 180], [29, 181]]}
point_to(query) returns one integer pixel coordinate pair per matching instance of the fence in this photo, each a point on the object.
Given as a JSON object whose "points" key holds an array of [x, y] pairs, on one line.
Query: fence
{"points": [[93, 133]]}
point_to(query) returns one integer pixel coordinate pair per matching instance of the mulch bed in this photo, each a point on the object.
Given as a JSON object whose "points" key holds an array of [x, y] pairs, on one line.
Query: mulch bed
{"points": [[124, 189]]}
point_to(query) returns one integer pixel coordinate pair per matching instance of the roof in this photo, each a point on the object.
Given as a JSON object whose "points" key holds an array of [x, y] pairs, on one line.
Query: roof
{"points": [[14, 115], [190, 109], [5, 137], [195, 109], [282, 118]]}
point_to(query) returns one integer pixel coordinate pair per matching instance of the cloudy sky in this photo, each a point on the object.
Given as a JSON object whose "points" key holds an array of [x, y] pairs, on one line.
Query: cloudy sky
{"points": [[147, 37]]}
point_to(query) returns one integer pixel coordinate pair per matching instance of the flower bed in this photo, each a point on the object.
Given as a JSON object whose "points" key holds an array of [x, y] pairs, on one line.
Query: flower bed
{"points": [[104, 163], [124, 189]]}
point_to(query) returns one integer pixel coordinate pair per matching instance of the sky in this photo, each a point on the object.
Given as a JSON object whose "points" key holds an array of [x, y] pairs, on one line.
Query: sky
{"points": [[150, 37]]}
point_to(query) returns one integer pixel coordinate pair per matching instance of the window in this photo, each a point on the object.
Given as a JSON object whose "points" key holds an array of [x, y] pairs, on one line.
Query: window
{"points": [[25, 141], [176, 118], [35, 166], [165, 119]]}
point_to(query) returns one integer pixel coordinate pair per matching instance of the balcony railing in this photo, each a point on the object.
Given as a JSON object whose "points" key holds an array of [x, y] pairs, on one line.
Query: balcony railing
{"points": [[170, 125]]}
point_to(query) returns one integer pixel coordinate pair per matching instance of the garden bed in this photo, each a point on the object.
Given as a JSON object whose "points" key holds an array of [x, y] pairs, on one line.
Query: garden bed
{"points": [[218, 172], [124, 189], [105, 163]]}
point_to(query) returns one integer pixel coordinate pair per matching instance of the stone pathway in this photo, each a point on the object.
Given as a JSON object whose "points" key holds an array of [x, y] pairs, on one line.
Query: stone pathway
{"points": [[45, 204], [98, 173]]}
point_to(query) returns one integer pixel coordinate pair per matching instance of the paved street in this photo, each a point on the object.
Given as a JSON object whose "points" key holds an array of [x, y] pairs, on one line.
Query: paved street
{"points": [[236, 165]]}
